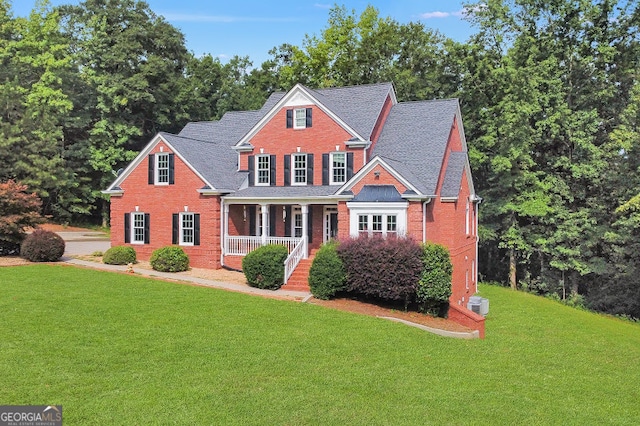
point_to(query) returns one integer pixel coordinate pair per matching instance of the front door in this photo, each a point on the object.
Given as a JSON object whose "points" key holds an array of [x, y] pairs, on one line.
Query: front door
{"points": [[330, 223]]}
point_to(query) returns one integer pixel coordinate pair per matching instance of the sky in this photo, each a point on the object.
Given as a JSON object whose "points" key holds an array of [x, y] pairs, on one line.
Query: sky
{"points": [[253, 27]]}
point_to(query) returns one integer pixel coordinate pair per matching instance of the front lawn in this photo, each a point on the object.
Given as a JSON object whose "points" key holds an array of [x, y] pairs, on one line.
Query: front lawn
{"points": [[120, 349]]}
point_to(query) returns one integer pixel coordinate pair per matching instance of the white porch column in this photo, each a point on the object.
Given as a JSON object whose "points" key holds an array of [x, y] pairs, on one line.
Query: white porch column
{"points": [[225, 228], [264, 209], [304, 209]]}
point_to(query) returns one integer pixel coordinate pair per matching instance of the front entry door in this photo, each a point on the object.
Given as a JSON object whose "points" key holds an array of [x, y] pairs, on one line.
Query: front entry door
{"points": [[330, 223]]}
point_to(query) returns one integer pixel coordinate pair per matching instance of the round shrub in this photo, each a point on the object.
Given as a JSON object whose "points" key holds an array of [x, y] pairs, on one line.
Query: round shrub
{"points": [[264, 267], [119, 255], [169, 259], [327, 275], [434, 287], [42, 246]]}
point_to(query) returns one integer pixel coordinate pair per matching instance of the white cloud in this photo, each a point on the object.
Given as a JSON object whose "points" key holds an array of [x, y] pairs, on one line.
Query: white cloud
{"points": [[439, 15], [181, 17]]}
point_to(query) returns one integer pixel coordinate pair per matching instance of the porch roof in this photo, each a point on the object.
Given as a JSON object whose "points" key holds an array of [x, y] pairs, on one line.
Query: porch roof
{"points": [[290, 193]]}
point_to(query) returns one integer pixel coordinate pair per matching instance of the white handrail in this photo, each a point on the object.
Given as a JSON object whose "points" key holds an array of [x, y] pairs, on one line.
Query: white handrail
{"points": [[240, 245], [296, 255]]}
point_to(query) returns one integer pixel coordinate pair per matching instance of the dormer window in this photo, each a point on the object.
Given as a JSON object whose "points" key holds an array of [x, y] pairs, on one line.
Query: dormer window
{"points": [[299, 118]]}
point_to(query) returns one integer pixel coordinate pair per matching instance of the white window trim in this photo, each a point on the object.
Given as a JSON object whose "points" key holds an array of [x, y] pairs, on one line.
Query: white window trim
{"points": [[257, 170], [295, 118], [156, 170], [331, 168], [181, 228], [132, 226], [467, 220], [293, 169], [399, 210]]}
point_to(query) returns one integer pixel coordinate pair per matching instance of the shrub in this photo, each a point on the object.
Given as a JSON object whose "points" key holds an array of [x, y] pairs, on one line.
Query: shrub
{"points": [[169, 259], [42, 246], [434, 287], [327, 275], [119, 255], [386, 269], [264, 267], [19, 210]]}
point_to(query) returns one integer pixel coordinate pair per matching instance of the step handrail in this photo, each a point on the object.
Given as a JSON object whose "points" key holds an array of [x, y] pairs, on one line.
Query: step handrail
{"points": [[294, 258]]}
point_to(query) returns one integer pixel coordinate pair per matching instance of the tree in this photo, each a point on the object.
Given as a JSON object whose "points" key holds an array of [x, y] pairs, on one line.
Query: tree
{"points": [[19, 210]]}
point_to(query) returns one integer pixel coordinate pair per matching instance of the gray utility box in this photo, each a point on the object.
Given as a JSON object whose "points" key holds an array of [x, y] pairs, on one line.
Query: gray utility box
{"points": [[479, 305]]}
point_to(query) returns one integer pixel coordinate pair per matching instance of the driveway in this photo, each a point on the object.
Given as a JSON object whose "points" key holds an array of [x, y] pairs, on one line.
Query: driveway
{"points": [[84, 242]]}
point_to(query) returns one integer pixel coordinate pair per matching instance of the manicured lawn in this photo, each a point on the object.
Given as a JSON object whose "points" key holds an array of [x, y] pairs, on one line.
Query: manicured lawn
{"points": [[119, 349]]}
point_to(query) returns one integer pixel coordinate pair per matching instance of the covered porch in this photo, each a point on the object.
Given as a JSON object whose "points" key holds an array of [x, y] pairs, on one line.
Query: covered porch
{"points": [[301, 227]]}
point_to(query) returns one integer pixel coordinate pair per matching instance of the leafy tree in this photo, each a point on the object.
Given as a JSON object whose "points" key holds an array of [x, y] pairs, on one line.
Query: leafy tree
{"points": [[19, 210]]}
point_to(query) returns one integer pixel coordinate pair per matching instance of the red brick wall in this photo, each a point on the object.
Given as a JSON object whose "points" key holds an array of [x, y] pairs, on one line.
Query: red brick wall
{"points": [[161, 201], [275, 139]]}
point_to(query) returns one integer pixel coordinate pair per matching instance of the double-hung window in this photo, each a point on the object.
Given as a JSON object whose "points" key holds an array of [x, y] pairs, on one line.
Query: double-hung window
{"points": [[187, 228], [338, 166], [162, 169], [299, 118], [263, 168], [377, 224], [299, 169], [377, 218], [136, 228]]}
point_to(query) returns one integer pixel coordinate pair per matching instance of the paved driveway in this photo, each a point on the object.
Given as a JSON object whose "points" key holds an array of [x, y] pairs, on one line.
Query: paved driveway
{"points": [[84, 242]]}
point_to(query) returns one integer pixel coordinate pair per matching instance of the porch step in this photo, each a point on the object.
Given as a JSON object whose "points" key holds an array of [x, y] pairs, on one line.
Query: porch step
{"points": [[299, 279]]}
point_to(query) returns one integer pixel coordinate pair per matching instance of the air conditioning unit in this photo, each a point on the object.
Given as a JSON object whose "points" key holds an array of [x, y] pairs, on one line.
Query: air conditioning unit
{"points": [[479, 305]]}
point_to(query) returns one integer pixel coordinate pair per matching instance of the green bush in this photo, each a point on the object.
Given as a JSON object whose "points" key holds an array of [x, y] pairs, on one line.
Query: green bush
{"points": [[434, 287], [169, 259], [119, 255], [42, 246], [327, 275], [264, 267]]}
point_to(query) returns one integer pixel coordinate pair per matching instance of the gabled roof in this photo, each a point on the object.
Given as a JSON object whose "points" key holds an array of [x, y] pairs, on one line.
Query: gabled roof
{"points": [[355, 108], [415, 136]]}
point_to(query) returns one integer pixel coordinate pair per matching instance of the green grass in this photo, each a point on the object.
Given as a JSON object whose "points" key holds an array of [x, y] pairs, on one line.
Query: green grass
{"points": [[120, 349]]}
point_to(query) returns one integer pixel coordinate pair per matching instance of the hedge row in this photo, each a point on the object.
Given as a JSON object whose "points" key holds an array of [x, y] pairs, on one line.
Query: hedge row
{"points": [[390, 270]]}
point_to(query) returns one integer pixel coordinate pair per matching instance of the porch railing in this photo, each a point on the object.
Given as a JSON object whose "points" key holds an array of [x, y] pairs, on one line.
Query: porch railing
{"points": [[239, 245], [295, 256]]}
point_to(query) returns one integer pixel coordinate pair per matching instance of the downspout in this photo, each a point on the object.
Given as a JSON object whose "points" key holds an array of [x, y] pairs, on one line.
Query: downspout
{"points": [[424, 220], [222, 224], [477, 200]]}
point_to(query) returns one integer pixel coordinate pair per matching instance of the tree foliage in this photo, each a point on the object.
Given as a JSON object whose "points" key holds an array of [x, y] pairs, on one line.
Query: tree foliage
{"points": [[19, 210]]}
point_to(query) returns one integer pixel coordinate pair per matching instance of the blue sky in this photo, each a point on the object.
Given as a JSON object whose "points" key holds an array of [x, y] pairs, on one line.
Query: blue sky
{"points": [[250, 27]]}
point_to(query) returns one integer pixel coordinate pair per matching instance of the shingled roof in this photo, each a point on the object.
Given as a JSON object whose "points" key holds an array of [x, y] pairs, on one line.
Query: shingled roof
{"points": [[453, 175], [414, 138]]}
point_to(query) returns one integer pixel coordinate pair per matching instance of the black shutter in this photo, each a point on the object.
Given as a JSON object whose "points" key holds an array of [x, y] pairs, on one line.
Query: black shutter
{"points": [[147, 227], [171, 173], [309, 223], [272, 171], [309, 117], [325, 169], [287, 170], [251, 172], [309, 169], [272, 220], [349, 165], [152, 175], [289, 118], [127, 228], [175, 228], [252, 220], [196, 229], [287, 221]]}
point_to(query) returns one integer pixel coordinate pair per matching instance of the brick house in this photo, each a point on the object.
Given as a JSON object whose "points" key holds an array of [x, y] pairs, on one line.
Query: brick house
{"points": [[309, 166]]}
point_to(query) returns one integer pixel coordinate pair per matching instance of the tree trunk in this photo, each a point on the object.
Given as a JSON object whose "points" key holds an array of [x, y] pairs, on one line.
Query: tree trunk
{"points": [[512, 269]]}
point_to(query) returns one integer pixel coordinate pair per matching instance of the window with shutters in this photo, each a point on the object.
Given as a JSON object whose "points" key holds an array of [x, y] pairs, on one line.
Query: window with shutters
{"points": [[263, 168], [299, 169], [338, 165], [137, 228]]}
